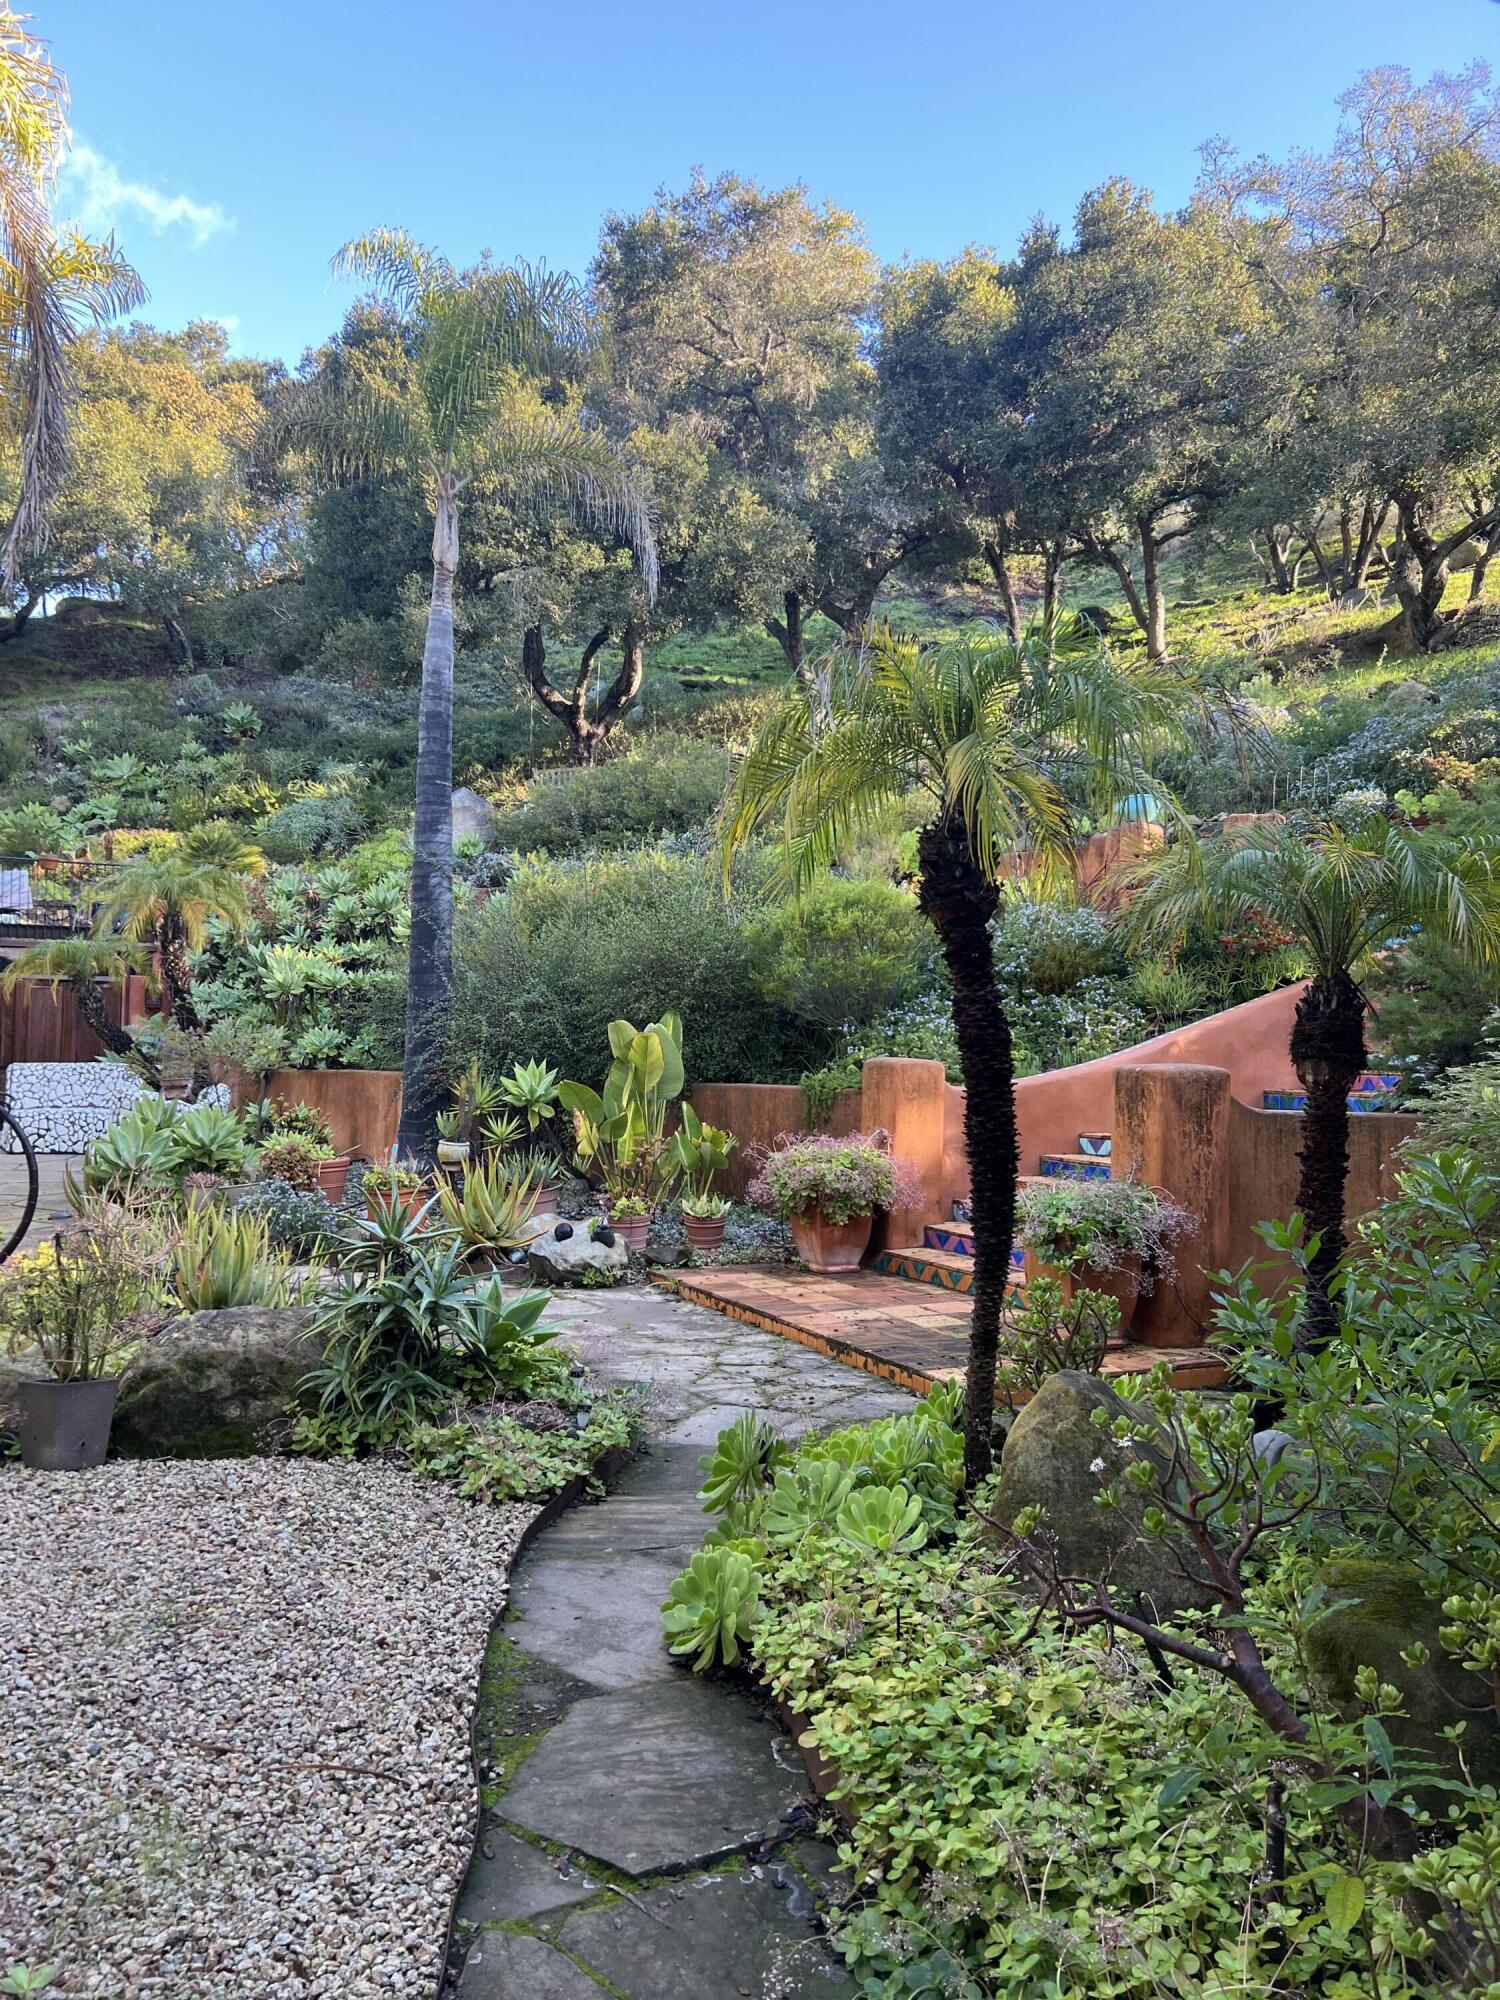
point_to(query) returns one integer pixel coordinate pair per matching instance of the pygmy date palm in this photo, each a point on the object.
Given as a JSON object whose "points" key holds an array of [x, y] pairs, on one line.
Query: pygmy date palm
{"points": [[440, 404], [167, 901], [80, 964], [1005, 742], [1340, 889]]}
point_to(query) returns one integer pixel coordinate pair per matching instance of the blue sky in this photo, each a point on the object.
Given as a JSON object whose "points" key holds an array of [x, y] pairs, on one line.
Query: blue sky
{"points": [[234, 144]]}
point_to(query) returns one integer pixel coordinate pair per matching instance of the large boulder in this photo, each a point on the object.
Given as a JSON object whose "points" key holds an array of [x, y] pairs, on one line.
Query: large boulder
{"points": [[1382, 1610], [207, 1386], [562, 1254], [14, 1370], [473, 817], [1058, 1458]]}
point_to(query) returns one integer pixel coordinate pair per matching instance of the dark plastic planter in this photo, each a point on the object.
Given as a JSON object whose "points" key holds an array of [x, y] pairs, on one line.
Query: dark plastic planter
{"points": [[65, 1425]]}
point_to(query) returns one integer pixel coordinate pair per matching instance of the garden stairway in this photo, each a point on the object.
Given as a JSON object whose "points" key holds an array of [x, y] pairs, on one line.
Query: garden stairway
{"points": [[1373, 1091]]}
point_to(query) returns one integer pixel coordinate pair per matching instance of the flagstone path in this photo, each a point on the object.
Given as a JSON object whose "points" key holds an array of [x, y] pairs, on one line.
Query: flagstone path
{"points": [[641, 1834]]}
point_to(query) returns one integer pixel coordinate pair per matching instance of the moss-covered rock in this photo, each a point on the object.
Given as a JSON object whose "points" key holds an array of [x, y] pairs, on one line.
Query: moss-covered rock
{"points": [[1383, 1609], [207, 1386], [1058, 1458]]}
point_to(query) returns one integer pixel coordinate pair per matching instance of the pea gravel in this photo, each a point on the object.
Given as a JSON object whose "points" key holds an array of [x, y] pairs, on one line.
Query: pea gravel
{"points": [[234, 1716]]}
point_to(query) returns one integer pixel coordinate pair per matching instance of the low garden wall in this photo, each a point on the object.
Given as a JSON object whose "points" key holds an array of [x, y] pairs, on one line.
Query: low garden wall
{"points": [[61, 1106], [758, 1113], [362, 1106]]}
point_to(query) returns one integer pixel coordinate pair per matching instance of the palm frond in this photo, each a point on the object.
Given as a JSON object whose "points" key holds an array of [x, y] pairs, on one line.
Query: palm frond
{"points": [[553, 461], [399, 267]]}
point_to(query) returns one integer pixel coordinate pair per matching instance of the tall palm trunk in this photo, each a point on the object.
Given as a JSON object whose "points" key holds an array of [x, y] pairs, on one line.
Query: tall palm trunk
{"points": [[177, 974], [959, 903], [429, 979], [1328, 1053]]}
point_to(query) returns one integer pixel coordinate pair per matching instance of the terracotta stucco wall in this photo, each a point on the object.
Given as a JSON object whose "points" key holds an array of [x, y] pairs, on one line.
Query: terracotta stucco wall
{"points": [[1263, 1171], [363, 1106], [758, 1114]]}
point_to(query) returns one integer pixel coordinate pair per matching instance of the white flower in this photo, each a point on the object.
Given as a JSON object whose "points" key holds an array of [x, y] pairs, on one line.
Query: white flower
{"points": [[1097, 1466]]}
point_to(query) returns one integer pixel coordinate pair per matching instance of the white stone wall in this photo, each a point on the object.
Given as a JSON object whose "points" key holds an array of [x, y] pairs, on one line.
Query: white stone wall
{"points": [[62, 1106]]}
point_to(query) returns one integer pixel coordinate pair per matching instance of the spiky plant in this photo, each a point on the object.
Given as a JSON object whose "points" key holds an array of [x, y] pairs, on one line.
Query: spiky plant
{"points": [[441, 403], [167, 900], [1004, 741], [1340, 888]]}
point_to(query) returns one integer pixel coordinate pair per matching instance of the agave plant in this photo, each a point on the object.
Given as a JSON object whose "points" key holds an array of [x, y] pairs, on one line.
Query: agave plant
{"points": [[712, 1608], [135, 1151]]}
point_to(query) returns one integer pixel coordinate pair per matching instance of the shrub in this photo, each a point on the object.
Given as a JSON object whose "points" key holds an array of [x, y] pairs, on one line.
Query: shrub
{"points": [[1096, 1225], [293, 1161], [841, 1178], [1051, 948], [309, 826], [843, 955], [298, 1219], [664, 784], [223, 1257]]}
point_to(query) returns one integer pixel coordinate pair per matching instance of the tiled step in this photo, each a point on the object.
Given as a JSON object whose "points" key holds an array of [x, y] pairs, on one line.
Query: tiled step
{"points": [[1372, 1092], [958, 1240], [1098, 1145], [949, 1270], [1075, 1167]]}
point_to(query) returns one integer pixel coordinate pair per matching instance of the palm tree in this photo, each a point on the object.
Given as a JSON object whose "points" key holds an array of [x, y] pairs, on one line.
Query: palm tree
{"points": [[167, 900], [441, 405], [1002, 740], [79, 964], [51, 286], [1340, 888]]}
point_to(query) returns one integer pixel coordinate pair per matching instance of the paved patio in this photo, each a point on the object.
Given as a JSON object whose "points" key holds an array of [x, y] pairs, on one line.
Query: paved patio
{"points": [[51, 1203], [909, 1334]]}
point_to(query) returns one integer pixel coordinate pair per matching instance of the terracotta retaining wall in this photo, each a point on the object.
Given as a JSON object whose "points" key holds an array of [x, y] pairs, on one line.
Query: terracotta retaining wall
{"points": [[363, 1106], [758, 1114], [1263, 1169]]}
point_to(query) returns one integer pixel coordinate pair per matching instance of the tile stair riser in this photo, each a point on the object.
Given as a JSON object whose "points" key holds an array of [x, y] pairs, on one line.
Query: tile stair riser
{"points": [[1074, 1166], [1296, 1100], [1100, 1145]]}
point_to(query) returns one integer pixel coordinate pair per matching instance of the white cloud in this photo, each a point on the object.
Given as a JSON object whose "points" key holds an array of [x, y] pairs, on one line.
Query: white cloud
{"points": [[95, 195]]}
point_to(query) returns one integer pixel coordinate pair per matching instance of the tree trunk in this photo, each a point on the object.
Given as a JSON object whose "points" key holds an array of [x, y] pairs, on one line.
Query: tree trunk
{"points": [[429, 980], [587, 732], [1371, 526], [179, 639], [19, 617], [1277, 547], [1320, 561], [1481, 567], [95, 1015], [959, 903], [177, 976], [999, 563], [1419, 572], [788, 632], [1328, 1053], [1155, 626], [1052, 576]]}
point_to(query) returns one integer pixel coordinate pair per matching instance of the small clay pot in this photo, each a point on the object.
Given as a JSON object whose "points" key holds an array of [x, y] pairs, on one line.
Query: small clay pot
{"points": [[632, 1230], [828, 1247], [704, 1232], [332, 1175], [65, 1425], [1123, 1284]]}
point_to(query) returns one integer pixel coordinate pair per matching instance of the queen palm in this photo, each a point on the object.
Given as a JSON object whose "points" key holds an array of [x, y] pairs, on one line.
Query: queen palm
{"points": [[1340, 888], [442, 404], [1003, 741], [80, 964], [50, 285]]}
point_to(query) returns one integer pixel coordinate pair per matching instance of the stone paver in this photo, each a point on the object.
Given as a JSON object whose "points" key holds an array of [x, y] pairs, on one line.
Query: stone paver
{"points": [[675, 1792], [52, 1202]]}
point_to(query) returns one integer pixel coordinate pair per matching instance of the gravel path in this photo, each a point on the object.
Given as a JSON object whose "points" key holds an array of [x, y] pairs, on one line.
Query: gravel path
{"points": [[234, 1754]]}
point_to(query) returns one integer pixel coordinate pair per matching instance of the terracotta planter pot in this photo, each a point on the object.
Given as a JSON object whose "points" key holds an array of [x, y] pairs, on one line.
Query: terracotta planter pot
{"points": [[704, 1232], [1122, 1285], [632, 1230], [417, 1199], [332, 1175], [830, 1246], [546, 1198], [65, 1425]]}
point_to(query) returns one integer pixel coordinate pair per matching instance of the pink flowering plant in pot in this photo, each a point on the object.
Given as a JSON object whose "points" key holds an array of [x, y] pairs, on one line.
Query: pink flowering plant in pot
{"points": [[827, 1190]]}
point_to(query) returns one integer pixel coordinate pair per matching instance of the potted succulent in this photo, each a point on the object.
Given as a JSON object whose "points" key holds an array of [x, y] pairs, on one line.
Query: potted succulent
{"points": [[74, 1307], [391, 1185], [827, 1190], [1110, 1236], [453, 1140], [491, 1214], [700, 1154], [304, 1163], [530, 1089]]}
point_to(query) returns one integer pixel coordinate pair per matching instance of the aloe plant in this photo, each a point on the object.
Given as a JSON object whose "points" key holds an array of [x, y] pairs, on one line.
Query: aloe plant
{"points": [[742, 1462], [492, 1209], [224, 1258], [712, 1608]]}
